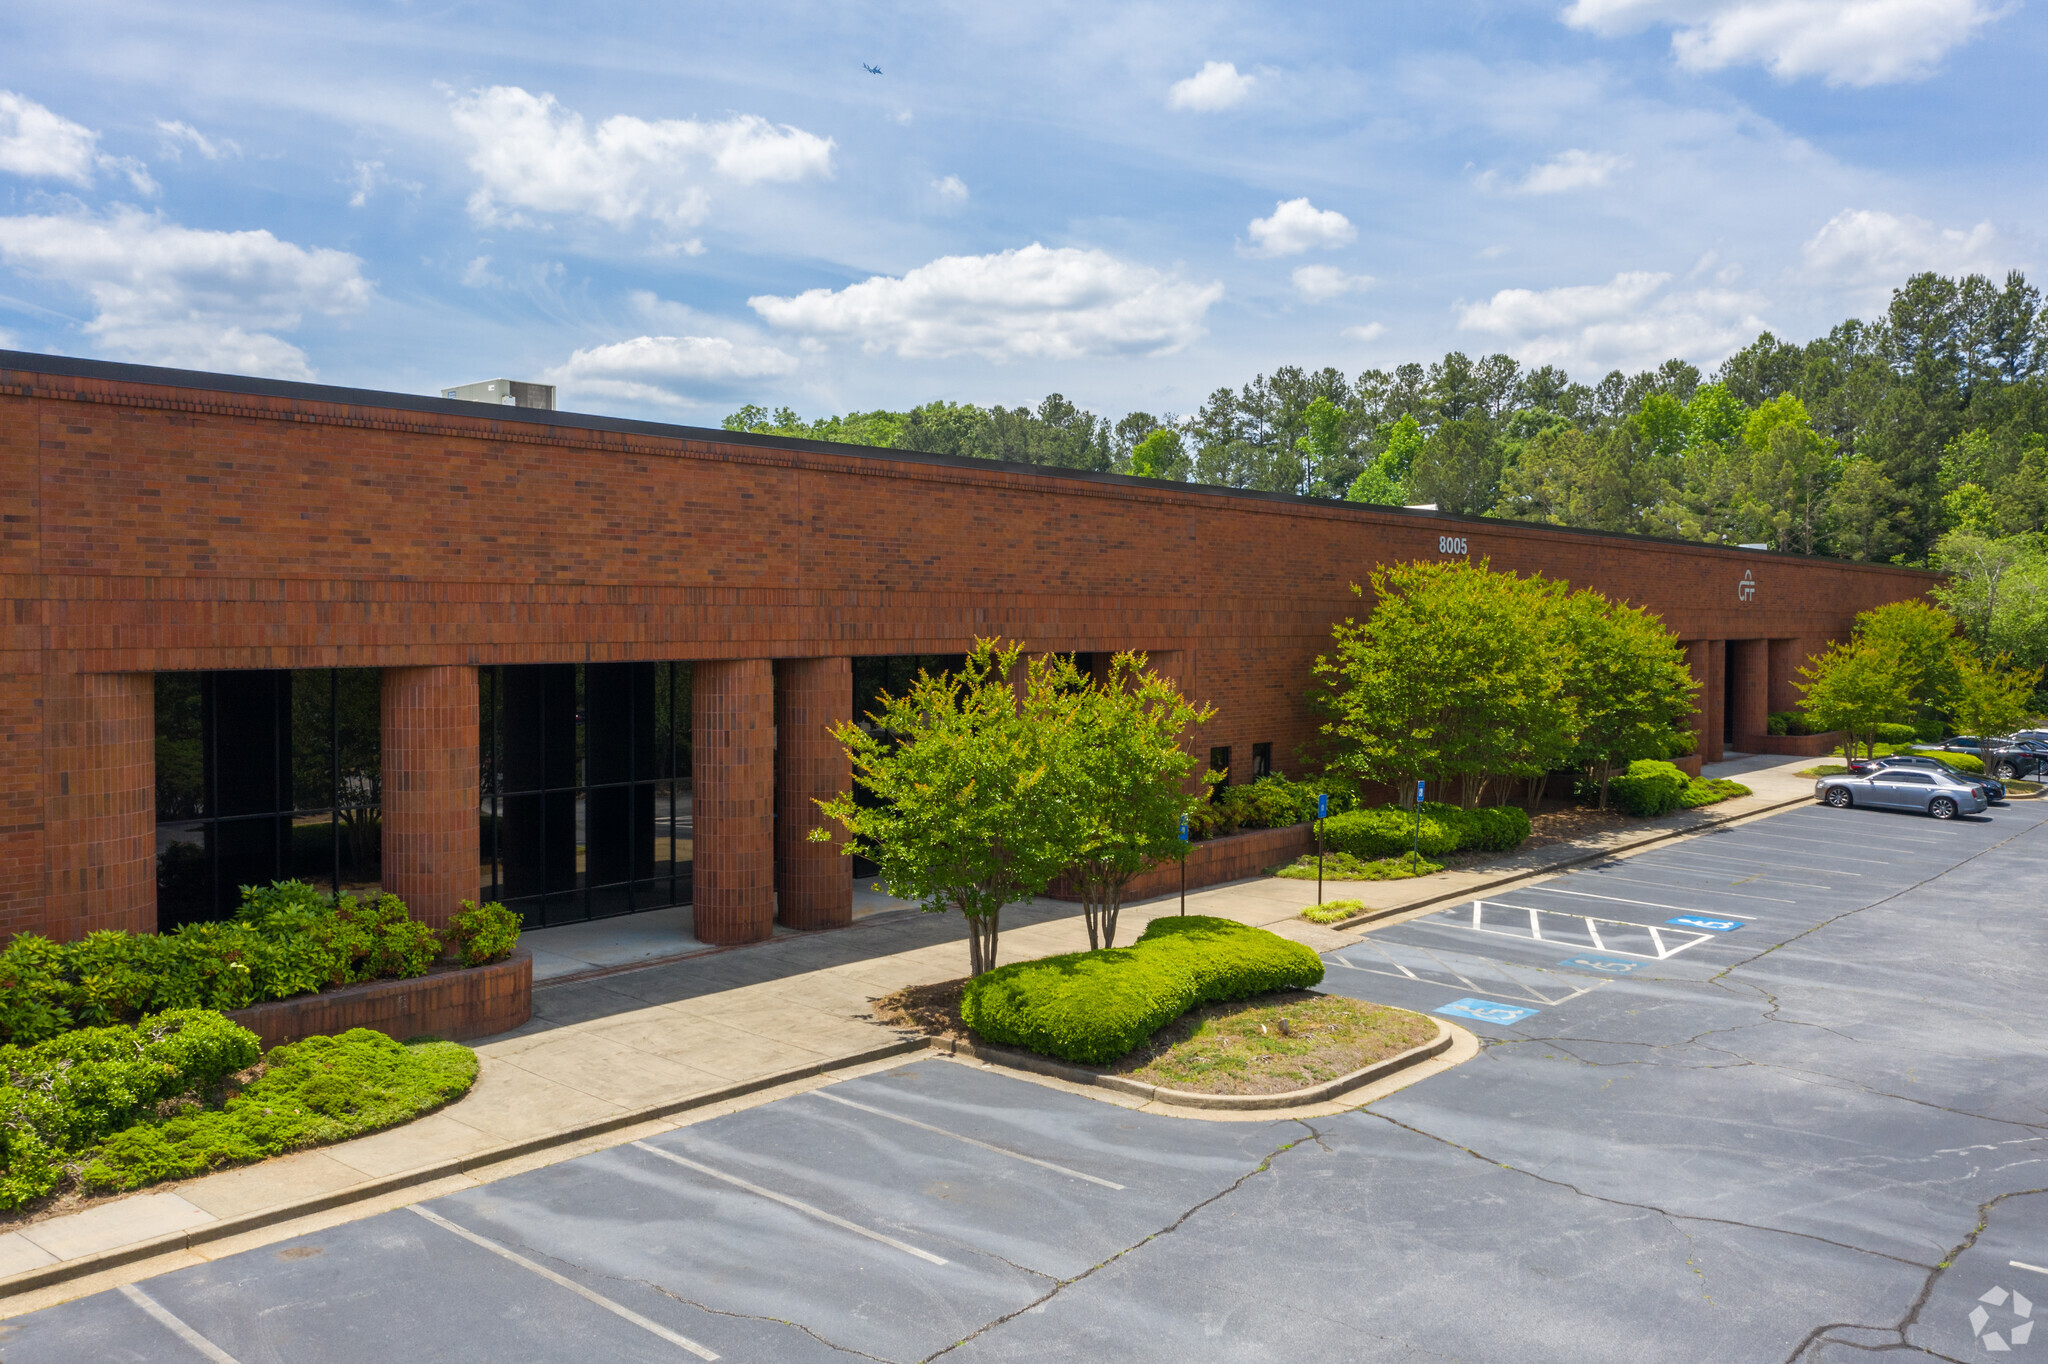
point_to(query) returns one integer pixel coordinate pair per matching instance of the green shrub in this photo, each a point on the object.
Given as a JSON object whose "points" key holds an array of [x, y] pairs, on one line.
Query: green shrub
{"points": [[1342, 866], [1332, 911], [1389, 830], [1268, 803], [1929, 731], [1897, 734], [1787, 722], [1961, 762], [61, 1096], [321, 1090], [286, 939], [1710, 790], [1093, 1007], [1648, 788], [483, 934]]}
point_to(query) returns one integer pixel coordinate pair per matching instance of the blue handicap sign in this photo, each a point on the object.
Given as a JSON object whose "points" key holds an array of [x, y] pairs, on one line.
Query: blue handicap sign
{"points": [[1183, 828], [1606, 966], [1323, 806], [1486, 1011], [1702, 921]]}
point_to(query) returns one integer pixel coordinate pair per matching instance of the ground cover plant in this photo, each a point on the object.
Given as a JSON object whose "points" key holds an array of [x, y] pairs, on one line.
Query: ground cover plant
{"points": [[1273, 1043], [1343, 866], [286, 939], [1333, 911], [1093, 1007], [182, 1092]]}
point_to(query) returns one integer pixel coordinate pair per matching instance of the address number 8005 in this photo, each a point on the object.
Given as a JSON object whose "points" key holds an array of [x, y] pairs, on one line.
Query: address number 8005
{"points": [[1452, 544]]}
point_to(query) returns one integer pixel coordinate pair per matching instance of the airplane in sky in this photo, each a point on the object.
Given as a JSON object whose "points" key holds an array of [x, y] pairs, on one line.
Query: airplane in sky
{"points": [[871, 70]]}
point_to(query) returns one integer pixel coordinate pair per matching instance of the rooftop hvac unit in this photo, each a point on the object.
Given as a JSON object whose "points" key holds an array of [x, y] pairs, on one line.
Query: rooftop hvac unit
{"points": [[505, 393]]}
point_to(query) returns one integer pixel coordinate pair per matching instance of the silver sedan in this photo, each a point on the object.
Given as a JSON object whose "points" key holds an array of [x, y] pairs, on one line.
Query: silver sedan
{"points": [[1896, 788]]}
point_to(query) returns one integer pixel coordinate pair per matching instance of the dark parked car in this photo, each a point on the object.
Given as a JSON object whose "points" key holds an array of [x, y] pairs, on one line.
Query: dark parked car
{"points": [[1941, 794], [1994, 790]]}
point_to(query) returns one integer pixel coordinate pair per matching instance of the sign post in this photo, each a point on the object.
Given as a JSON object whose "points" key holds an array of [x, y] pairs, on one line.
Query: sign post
{"points": [[1183, 864], [1412, 866], [1322, 813]]}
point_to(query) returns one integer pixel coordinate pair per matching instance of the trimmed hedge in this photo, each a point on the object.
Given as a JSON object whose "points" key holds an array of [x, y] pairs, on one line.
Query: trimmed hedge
{"points": [[286, 939], [1268, 803], [1093, 1007], [1649, 788], [1389, 830], [1961, 762]]}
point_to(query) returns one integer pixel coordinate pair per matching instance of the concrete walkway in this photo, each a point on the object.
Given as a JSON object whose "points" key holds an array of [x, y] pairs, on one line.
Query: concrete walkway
{"points": [[617, 1049]]}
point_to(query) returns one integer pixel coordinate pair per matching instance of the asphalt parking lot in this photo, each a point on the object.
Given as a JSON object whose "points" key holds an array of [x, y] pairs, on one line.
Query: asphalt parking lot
{"points": [[1779, 1092]]}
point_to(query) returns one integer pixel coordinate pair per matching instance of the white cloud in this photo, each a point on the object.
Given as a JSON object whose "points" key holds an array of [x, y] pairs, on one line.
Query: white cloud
{"points": [[1371, 331], [477, 274], [1035, 302], [533, 154], [951, 188], [177, 135], [1216, 86], [1871, 253], [1296, 226], [175, 295], [1321, 283], [1572, 169], [1845, 42], [665, 369], [1630, 322], [36, 142]]}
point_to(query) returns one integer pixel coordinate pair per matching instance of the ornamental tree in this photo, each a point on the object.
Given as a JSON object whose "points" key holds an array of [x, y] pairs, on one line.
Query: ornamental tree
{"points": [[1992, 697], [969, 810], [1628, 683], [1125, 775], [1858, 686]]}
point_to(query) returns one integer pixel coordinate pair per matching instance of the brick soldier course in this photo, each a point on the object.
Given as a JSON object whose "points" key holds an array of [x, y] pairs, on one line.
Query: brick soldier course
{"points": [[159, 521]]}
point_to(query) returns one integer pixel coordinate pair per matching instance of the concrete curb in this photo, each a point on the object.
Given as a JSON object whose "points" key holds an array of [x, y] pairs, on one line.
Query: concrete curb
{"points": [[1181, 1098], [235, 1226], [1508, 878]]}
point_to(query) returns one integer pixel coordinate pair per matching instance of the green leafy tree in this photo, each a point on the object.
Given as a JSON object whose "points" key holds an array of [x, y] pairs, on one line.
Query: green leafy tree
{"points": [[1992, 697], [1162, 454], [1449, 677], [1459, 469], [1862, 520], [1627, 680], [1791, 467], [1998, 589], [967, 810], [1125, 776], [1858, 686], [1404, 443], [1925, 636]]}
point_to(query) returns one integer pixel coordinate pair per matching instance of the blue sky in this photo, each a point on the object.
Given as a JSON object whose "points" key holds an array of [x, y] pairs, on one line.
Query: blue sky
{"points": [[670, 210]]}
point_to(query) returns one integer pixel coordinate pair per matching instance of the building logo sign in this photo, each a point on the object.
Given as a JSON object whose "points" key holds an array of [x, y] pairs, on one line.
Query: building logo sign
{"points": [[1746, 589]]}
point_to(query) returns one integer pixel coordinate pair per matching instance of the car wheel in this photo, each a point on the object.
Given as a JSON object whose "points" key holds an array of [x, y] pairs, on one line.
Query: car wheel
{"points": [[1941, 807], [1838, 796], [2006, 772]]}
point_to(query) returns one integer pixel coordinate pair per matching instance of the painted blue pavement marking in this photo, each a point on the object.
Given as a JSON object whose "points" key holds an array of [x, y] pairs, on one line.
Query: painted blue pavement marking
{"points": [[1701, 921], [1486, 1011], [1606, 966]]}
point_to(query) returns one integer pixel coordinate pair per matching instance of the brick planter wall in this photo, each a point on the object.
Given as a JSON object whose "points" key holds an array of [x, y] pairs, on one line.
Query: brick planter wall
{"points": [[456, 1005], [1230, 858], [1794, 745]]}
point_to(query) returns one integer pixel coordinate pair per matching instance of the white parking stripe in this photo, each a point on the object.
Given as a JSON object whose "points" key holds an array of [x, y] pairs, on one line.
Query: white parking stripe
{"points": [[172, 1323], [2021, 1264], [1823, 842], [1621, 900], [927, 1127], [620, 1310], [1749, 862], [1696, 890], [786, 1201]]}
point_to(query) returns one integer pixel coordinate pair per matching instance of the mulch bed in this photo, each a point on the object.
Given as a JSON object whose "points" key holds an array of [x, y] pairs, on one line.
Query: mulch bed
{"points": [[1233, 1048]]}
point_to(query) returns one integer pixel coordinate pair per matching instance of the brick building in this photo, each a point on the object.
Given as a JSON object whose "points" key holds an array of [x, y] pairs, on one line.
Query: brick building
{"points": [[585, 665]]}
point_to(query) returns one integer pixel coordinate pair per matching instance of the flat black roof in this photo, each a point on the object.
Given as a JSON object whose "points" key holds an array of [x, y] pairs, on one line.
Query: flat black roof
{"points": [[73, 367]]}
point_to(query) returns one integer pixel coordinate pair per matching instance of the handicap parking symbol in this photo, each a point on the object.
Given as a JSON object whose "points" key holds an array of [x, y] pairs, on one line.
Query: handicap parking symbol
{"points": [[1701, 921], [1606, 966], [1486, 1011]]}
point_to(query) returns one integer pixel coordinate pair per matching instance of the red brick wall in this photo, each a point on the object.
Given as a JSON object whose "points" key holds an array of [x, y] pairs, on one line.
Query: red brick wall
{"points": [[732, 751], [148, 527], [430, 789], [99, 803], [813, 881], [1749, 675]]}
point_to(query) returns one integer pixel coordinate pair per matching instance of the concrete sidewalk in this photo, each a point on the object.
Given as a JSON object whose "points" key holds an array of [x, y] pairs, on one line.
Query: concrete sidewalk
{"points": [[619, 1049]]}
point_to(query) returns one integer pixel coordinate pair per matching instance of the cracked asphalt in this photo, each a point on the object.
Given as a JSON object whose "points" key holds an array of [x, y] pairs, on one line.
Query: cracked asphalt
{"points": [[1818, 1132]]}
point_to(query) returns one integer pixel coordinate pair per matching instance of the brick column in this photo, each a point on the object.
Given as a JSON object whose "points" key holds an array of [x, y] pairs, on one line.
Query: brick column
{"points": [[430, 789], [813, 881], [1706, 658], [99, 803], [1749, 678], [732, 752], [1787, 658]]}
